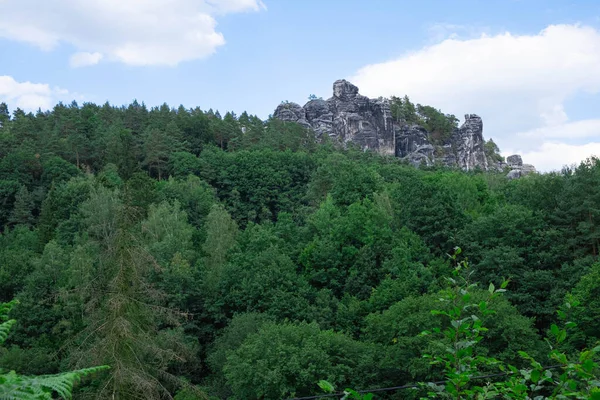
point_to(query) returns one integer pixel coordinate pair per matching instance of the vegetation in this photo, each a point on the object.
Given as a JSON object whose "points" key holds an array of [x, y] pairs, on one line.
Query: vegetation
{"points": [[18, 387], [492, 151], [439, 125], [207, 256]]}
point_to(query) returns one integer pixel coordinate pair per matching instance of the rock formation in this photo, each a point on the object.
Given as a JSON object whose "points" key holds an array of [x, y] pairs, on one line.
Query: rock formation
{"points": [[348, 117], [517, 168]]}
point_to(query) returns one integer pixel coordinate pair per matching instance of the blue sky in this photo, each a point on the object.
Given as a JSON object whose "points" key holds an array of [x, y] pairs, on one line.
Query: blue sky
{"points": [[528, 67]]}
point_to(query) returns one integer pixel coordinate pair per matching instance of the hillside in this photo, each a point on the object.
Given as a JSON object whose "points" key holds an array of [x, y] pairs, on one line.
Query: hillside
{"points": [[422, 135], [205, 255]]}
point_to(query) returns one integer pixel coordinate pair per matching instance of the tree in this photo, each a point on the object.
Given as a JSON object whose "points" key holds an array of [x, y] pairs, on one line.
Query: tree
{"points": [[403, 110], [230, 338], [166, 233], [120, 150], [195, 196], [123, 313], [221, 232], [287, 360], [344, 179], [258, 277], [4, 115], [57, 169], [348, 247], [157, 148], [438, 124], [19, 387], [8, 192], [492, 151], [18, 247], [21, 213], [587, 293]]}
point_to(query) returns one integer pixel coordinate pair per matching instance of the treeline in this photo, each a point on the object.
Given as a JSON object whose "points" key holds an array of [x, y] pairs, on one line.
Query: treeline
{"points": [[200, 255], [439, 125]]}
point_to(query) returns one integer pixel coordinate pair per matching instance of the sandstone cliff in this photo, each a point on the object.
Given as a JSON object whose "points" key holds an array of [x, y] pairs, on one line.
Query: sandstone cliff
{"points": [[348, 117]]}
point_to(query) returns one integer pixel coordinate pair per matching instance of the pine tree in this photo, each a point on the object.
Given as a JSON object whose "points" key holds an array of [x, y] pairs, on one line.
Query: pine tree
{"points": [[158, 146], [4, 114], [124, 315], [21, 213]]}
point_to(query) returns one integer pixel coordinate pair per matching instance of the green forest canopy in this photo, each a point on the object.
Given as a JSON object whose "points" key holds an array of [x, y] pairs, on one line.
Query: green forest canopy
{"points": [[199, 254]]}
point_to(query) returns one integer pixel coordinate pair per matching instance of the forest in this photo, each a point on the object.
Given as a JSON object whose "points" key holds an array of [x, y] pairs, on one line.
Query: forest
{"points": [[188, 255]]}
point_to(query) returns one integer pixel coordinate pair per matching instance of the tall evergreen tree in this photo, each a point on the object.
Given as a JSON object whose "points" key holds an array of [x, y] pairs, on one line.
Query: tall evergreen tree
{"points": [[22, 210], [122, 313]]}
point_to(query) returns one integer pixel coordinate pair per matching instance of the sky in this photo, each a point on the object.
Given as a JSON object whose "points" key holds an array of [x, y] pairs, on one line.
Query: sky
{"points": [[529, 68]]}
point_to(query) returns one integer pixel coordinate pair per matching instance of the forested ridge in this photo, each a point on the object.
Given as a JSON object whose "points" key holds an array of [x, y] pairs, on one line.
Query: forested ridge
{"points": [[208, 256]]}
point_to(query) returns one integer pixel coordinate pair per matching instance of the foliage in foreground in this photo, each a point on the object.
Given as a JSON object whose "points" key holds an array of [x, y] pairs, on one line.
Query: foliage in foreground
{"points": [[466, 370], [19, 387]]}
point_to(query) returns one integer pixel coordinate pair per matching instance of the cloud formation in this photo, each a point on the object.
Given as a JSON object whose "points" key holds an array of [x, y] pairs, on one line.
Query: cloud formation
{"points": [[134, 32], [29, 96], [84, 59], [544, 158], [518, 83]]}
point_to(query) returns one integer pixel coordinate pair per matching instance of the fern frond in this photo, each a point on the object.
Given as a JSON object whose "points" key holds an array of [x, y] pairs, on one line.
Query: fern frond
{"points": [[16, 387], [4, 329], [6, 307], [5, 323]]}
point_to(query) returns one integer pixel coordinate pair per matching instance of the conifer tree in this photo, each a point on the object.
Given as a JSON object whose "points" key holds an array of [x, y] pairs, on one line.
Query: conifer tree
{"points": [[122, 313], [21, 213]]}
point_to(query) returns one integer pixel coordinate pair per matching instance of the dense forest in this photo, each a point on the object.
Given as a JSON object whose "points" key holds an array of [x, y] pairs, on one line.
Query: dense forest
{"points": [[207, 256]]}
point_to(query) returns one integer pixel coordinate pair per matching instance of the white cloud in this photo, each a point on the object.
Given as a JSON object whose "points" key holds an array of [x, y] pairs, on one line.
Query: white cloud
{"points": [[29, 96], [85, 59], [588, 128], [517, 83], [442, 31], [544, 158], [135, 32]]}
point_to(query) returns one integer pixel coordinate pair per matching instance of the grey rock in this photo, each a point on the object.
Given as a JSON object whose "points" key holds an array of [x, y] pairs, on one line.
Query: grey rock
{"points": [[468, 144], [350, 118], [519, 171], [514, 174], [412, 144], [527, 169], [347, 117], [291, 112], [497, 166], [514, 161]]}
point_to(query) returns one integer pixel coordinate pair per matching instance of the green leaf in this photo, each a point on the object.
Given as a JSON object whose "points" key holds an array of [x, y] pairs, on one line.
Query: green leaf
{"points": [[326, 386], [491, 288], [535, 376], [562, 335]]}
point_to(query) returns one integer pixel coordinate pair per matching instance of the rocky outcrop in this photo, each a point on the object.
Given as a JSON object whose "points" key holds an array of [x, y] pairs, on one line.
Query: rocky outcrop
{"points": [[348, 117], [468, 144], [517, 168], [464, 149], [412, 144]]}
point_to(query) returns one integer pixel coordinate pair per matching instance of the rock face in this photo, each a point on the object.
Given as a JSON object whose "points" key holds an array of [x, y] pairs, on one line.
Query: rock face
{"points": [[348, 117], [517, 168], [468, 144], [412, 143]]}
